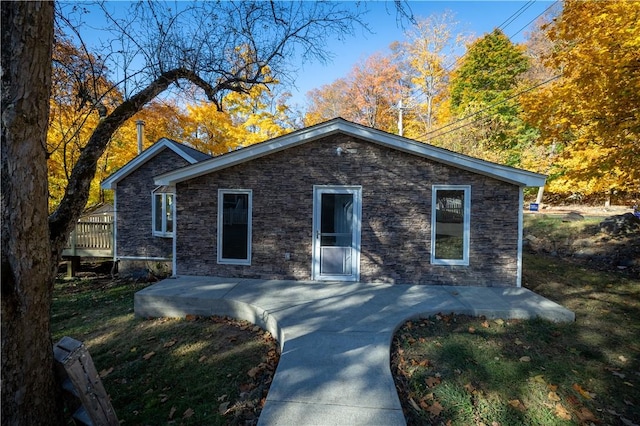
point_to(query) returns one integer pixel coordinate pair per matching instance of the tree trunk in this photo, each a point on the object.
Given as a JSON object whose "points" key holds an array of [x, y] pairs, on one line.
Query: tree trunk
{"points": [[29, 394]]}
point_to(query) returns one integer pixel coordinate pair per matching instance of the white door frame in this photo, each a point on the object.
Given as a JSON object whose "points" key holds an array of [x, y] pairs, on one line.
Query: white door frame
{"points": [[356, 192]]}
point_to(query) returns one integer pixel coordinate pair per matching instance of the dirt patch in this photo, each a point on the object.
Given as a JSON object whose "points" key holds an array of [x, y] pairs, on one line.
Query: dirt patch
{"points": [[603, 239], [587, 211]]}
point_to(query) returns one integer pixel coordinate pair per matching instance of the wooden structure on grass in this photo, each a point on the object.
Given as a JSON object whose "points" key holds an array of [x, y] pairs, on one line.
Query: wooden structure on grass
{"points": [[92, 238], [81, 381]]}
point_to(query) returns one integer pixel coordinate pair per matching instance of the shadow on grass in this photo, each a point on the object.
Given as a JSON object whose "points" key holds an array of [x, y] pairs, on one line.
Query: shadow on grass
{"points": [[211, 371]]}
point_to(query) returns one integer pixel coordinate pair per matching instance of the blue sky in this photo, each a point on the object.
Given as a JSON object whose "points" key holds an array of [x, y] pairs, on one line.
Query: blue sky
{"points": [[477, 17], [474, 17]]}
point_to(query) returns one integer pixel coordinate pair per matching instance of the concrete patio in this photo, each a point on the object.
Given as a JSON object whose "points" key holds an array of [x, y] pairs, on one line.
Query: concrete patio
{"points": [[334, 337]]}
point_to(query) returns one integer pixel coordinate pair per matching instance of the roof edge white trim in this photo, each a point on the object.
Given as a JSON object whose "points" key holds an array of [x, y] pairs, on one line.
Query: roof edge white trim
{"points": [[338, 125], [112, 181]]}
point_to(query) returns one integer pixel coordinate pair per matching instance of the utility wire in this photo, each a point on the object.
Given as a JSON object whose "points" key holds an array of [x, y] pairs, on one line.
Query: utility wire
{"points": [[516, 14], [504, 24], [483, 110], [531, 21]]}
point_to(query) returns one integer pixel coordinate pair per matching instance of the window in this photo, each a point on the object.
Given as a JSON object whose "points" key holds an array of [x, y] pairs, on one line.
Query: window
{"points": [[162, 212], [234, 226], [450, 224]]}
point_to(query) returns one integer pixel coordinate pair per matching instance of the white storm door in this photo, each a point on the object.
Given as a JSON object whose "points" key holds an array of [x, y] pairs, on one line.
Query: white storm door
{"points": [[337, 211]]}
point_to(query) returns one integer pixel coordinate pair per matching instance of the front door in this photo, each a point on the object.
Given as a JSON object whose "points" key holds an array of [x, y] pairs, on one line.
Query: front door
{"points": [[336, 232]]}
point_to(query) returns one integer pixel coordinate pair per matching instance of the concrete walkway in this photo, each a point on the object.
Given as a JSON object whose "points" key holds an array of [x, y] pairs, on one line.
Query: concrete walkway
{"points": [[334, 337]]}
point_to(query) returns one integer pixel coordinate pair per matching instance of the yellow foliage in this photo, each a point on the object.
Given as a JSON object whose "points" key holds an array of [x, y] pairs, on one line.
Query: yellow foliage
{"points": [[591, 115]]}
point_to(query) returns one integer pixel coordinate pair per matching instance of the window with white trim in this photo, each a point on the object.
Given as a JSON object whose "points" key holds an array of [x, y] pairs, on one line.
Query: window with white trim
{"points": [[234, 226], [162, 212], [450, 224]]}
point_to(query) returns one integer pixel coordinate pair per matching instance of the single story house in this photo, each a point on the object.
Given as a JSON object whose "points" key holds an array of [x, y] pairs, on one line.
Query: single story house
{"points": [[337, 201], [142, 211]]}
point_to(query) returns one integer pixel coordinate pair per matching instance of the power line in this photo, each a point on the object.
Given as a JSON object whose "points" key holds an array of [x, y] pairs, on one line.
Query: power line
{"points": [[483, 110], [516, 14], [507, 22], [531, 21]]}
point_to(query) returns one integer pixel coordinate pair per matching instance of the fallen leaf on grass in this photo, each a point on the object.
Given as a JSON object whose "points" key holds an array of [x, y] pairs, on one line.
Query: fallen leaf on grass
{"points": [[436, 408], [202, 358], [432, 381], [148, 356], [562, 412], [573, 400], [485, 324], [581, 391], [585, 416], [472, 330], [470, 388], [525, 359], [222, 408], [517, 404], [188, 413], [518, 342], [172, 412], [539, 378], [553, 396], [169, 344], [253, 372], [105, 373]]}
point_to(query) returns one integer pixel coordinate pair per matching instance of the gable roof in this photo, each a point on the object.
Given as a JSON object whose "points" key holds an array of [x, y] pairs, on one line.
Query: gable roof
{"points": [[339, 125], [189, 154]]}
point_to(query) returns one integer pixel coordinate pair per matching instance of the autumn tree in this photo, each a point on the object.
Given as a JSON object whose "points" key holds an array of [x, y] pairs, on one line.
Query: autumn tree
{"points": [[589, 117], [368, 95], [73, 114], [426, 58], [194, 44], [247, 119]]}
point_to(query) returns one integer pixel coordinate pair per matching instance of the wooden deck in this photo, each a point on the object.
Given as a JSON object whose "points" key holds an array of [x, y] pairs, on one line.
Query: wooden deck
{"points": [[91, 239]]}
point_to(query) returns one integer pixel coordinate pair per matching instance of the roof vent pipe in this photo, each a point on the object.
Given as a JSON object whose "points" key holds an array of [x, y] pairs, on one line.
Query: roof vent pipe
{"points": [[140, 131]]}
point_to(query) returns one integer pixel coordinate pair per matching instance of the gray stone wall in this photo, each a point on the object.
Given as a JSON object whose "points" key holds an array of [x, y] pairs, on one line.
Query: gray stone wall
{"points": [[134, 233], [396, 215]]}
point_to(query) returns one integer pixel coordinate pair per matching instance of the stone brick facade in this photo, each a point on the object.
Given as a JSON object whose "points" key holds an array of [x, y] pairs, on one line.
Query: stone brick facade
{"points": [[396, 215], [133, 215]]}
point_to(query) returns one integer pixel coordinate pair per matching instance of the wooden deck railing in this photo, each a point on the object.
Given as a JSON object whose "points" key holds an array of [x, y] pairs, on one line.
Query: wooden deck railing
{"points": [[91, 239]]}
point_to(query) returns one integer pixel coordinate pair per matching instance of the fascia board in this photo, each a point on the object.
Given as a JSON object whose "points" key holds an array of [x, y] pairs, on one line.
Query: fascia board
{"points": [[112, 181]]}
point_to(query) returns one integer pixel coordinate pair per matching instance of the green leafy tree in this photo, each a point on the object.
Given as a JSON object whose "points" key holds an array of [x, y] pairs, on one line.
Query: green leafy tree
{"points": [[482, 92]]}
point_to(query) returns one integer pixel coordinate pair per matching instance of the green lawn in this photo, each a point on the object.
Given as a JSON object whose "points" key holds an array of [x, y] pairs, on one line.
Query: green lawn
{"points": [[457, 370]]}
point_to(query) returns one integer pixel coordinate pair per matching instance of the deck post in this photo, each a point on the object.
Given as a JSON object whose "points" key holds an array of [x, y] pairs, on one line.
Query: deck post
{"points": [[73, 264]]}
